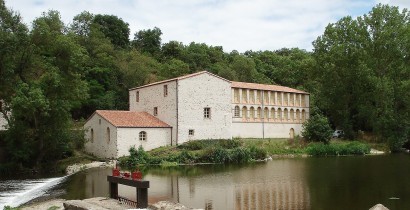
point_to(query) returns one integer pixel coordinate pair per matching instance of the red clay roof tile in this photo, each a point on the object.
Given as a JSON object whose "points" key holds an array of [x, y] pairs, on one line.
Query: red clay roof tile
{"points": [[265, 87], [131, 119]]}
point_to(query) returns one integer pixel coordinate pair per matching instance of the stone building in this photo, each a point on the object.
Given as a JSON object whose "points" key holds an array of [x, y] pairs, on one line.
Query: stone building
{"points": [[3, 121], [198, 106]]}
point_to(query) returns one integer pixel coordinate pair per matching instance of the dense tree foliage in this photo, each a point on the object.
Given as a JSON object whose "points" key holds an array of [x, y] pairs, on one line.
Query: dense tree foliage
{"points": [[53, 74], [363, 73]]}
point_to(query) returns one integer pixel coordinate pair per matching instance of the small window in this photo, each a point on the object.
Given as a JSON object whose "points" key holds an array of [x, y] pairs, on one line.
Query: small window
{"points": [[191, 132], [143, 136], [99, 121], [236, 111], [92, 135], [155, 111], [165, 90], [108, 135], [207, 113], [137, 96]]}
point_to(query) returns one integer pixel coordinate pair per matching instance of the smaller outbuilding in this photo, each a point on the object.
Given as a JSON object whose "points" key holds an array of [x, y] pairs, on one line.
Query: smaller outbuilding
{"points": [[111, 134]]}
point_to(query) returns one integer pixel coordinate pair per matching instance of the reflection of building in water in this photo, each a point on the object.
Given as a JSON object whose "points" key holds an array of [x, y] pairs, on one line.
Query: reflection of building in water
{"points": [[273, 195], [279, 184]]}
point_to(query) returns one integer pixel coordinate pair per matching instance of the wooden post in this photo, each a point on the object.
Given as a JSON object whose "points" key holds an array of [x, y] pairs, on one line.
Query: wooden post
{"points": [[113, 190], [142, 197], [142, 189]]}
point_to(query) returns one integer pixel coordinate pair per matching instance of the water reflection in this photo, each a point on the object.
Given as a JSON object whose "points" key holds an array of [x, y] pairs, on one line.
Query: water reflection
{"points": [[299, 183]]}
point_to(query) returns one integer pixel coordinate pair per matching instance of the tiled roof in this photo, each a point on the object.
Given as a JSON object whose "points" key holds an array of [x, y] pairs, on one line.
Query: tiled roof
{"points": [[265, 87], [131, 119], [180, 78]]}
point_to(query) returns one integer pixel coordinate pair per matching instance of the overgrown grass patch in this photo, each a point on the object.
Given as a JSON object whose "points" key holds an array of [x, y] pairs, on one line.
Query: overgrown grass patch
{"points": [[338, 148]]}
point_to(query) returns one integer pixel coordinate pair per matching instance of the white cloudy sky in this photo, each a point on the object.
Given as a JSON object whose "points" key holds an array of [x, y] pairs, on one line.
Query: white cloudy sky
{"points": [[234, 24]]}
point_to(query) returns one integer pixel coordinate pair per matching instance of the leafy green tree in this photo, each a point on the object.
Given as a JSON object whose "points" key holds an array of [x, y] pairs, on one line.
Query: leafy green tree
{"points": [[52, 86], [148, 41], [114, 28], [317, 128], [362, 72]]}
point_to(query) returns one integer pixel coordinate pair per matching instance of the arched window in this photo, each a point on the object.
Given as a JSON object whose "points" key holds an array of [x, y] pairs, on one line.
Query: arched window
{"points": [[92, 135], [272, 114], [244, 112], [236, 111], [259, 113], [252, 113], [285, 114], [266, 113], [108, 135], [143, 136], [297, 115], [303, 115], [292, 115], [280, 114]]}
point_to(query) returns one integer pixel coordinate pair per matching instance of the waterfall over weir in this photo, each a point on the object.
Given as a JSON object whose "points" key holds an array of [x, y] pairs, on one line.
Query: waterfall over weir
{"points": [[17, 192]]}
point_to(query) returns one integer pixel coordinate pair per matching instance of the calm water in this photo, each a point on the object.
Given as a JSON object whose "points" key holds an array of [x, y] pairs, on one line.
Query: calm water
{"points": [[296, 183]]}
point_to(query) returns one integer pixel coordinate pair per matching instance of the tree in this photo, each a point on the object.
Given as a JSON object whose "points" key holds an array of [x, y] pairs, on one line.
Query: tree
{"points": [[363, 70], [114, 28], [317, 128], [148, 41], [52, 85]]}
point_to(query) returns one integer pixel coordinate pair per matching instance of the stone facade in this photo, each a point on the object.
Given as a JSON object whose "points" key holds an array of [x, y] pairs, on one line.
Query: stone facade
{"points": [[198, 106], [3, 121], [106, 138]]}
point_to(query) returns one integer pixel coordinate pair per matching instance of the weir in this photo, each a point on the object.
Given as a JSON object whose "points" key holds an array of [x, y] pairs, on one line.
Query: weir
{"points": [[14, 193]]}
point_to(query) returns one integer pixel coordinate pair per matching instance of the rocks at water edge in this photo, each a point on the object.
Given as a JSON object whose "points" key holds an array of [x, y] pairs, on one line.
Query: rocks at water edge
{"points": [[79, 167]]}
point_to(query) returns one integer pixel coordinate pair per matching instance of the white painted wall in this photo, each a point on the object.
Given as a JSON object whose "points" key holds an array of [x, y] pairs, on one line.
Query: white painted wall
{"points": [[128, 137], [153, 96], [99, 147], [196, 93], [271, 130]]}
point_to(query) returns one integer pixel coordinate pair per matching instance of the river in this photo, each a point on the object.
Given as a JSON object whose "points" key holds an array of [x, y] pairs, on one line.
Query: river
{"points": [[353, 182]]}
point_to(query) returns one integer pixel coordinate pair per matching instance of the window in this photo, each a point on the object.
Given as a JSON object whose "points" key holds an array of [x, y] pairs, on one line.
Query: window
{"points": [[258, 96], [236, 111], [259, 113], [272, 114], [279, 98], [251, 96], [272, 98], [99, 121], [244, 112], [303, 100], [108, 135], [165, 90], [285, 114], [207, 113], [155, 111], [137, 96], [297, 115], [92, 135], [280, 114], [143, 136], [252, 113], [291, 99], [266, 97], [244, 96], [191, 132], [236, 95], [285, 99], [266, 113], [292, 115]]}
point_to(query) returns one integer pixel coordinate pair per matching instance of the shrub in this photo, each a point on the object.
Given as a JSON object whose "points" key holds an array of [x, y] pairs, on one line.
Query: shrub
{"points": [[192, 145], [240, 155], [229, 144], [137, 157], [352, 148], [257, 153], [186, 157], [317, 128]]}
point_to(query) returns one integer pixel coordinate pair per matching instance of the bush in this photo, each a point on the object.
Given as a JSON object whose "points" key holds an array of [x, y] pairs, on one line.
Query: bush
{"points": [[192, 145], [137, 157], [186, 157], [240, 155], [317, 128], [229, 144], [352, 148], [258, 153]]}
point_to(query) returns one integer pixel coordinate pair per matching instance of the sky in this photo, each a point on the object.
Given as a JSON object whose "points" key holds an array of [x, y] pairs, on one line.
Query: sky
{"points": [[233, 24]]}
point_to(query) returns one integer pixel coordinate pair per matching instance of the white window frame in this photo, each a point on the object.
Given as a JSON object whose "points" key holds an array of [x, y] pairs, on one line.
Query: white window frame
{"points": [[142, 136]]}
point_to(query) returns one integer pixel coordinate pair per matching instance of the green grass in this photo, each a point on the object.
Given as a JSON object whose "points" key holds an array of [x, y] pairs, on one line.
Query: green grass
{"points": [[239, 151]]}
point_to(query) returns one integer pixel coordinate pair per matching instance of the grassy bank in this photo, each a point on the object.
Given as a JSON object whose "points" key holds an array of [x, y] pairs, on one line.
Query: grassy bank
{"points": [[238, 151]]}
